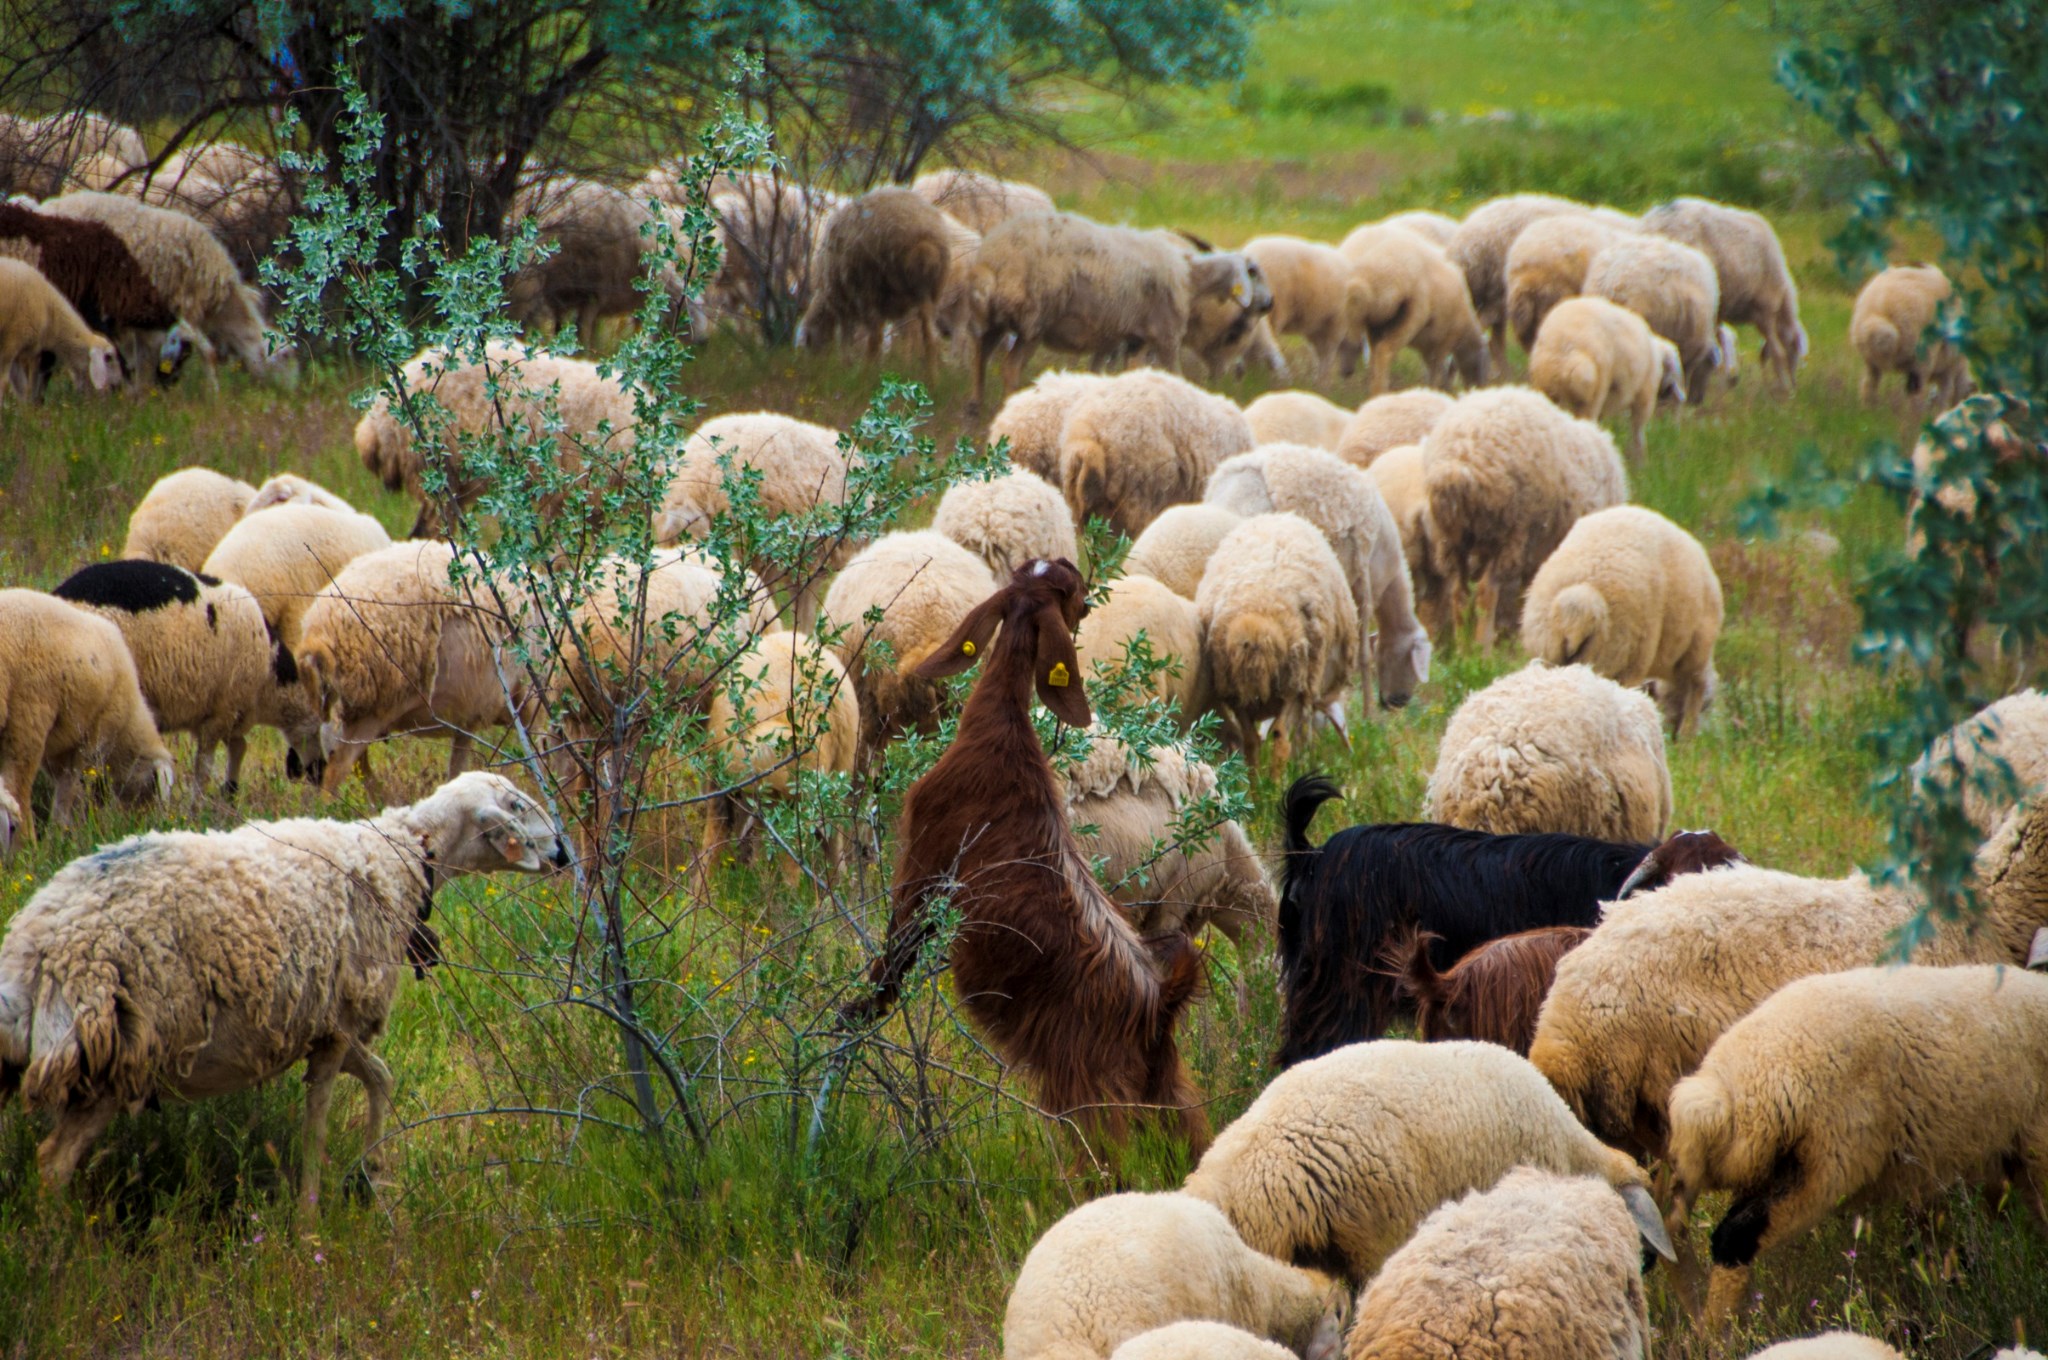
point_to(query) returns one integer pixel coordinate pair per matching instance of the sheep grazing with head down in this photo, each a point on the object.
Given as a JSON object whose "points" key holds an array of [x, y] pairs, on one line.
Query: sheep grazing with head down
{"points": [[603, 248], [1141, 442], [288, 554], [1008, 520], [786, 713], [36, 320], [1202, 1341], [1674, 289], [981, 201], [1416, 299], [1893, 330], [1043, 960], [1176, 547], [1172, 630], [1317, 296], [96, 274], [1749, 264], [1837, 1346], [1480, 249], [2013, 730], [1390, 422], [1398, 475], [1034, 417], [1596, 357], [881, 259], [1297, 418], [195, 964], [184, 514], [288, 488], [1434, 227], [1546, 265]]}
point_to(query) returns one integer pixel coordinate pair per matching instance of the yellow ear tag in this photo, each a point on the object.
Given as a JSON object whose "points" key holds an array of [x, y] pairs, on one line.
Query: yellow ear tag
{"points": [[1057, 676], [967, 647]]}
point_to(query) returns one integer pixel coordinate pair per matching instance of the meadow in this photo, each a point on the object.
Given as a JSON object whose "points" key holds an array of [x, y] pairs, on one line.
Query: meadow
{"points": [[524, 1220]]}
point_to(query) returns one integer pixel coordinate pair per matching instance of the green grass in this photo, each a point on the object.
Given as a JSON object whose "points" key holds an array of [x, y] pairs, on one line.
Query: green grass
{"points": [[898, 1231]]}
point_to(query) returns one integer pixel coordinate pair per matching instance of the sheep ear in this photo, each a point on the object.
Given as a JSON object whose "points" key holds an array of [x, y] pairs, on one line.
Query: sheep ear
{"points": [[504, 834], [970, 641], [1057, 670], [1649, 1223]]}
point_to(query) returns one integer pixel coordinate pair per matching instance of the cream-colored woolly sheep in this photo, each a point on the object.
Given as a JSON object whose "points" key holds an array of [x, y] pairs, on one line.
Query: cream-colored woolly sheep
{"points": [[1892, 331], [1279, 629], [1389, 421], [1345, 504], [36, 320], [1633, 596], [921, 584], [69, 700], [1638, 1004], [786, 712], [196, 276], [1671, 286], [1547, 264], [1342, 1156], [1317, 296], [1554, 748], [1176, 547], [592, 416], [1506, 473], [1416, 299], [1480, 249], [1034, 418], [1202, 1341], [1008, 521], [184, 514], [1870, 1084], [1594, 357], [288, 488], [1398, 475], [1124, 1264], [1172, 628], [881, 259], [1439, 229], [195, 964], [1749, 263], [803, 473], [602, 248], [978, 200], [1143, 442], [2014, 730], [1830, 1346], [1297, 418], [1540, 1266], [289, 554], [205, 658]]}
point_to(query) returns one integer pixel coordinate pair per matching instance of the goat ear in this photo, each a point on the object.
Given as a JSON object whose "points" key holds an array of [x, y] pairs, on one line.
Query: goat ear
{"points": [[1057, 670], [970, 641]]}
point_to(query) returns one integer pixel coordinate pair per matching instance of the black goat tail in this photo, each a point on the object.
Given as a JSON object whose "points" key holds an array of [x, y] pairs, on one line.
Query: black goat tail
{"points": [[1298, 808]]}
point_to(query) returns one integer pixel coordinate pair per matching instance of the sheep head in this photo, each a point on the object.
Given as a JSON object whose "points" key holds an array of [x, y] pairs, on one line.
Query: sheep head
{"points": [[1036, 613], [480, 822]]}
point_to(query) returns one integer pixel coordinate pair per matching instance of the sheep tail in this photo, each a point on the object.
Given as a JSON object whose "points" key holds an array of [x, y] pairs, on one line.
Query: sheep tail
{"points": [[1578, 618], [60, 1043], [1298, 808], [17, 1005], [1702, 1129], [1414, 974], [314, 660]]}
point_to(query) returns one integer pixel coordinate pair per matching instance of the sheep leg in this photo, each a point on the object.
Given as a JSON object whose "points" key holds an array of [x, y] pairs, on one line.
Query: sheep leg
{"points": [[20, 756], [1497, 344], [238, 747], [369, 1069], [1013, 363], [65, 784], [1866, 391], [1639, 419], [1488, 596], [322, 1064], [78, 1128], [460, 748]]}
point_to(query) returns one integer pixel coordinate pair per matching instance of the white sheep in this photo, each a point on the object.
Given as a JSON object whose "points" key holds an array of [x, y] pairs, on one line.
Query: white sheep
{"points": [[1416, 299], [1439, 229], [1547, 264], [1390, 421], [1124, 1264], [1297, 418], [1143, 442], [1279, 629], [1553, 748], [70, 700], [1594, 357], [920, 585], [184, 514], [802, 473], [1346, 505], [1506, 474], [1869, 1084], [1342, 1156], [1892, 331], [1480, 249], [1172, 628], [1539, 1266], [195, 964], [1633, 596], [1749, 263], [2013, 730], [1227, 330], [787, 711], [1034, 418], [288, 488], [1317, 296], [290, 553], [1674, 288], [1175, 548], [1008, 520], [36, 320], [1830, 1346], [978, 200], [1202, 1341], [1398, 475]]}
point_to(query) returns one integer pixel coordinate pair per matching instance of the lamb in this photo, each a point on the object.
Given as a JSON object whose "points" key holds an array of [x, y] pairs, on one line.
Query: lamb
{"points": [[1171, 626], [1316, 295], [1120, 1266], [1634, 597], [1595, 356], [1553, 748], [1033, 419], [1175, 547], [1279, 628], [1390, 421], [1893, 330], [1749, 264], [205, 658], [69, 699], [97, 275], [1547, 264], [196, 277], [1297, 418], [786, 713], [2013, 730], [1416, 298], [1637, 1006], [1008, 520], [1874, 1083], [1538, 1266], [194, 964], [1043, 961], [1505, 474], [1339, 1158], [1345, 504], [1671, 286], [1142, 442], [882, 258], [1398, 475], [1439, 229], [802, 476], [36, 320], [1202, 1341], [603, 246], [921, 585], [1480, 249], [290, 553], [184, 515], [980, 201], [288, 488]]}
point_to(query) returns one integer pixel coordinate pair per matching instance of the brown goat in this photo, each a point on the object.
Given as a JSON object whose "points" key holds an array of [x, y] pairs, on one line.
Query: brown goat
{"points": [[1683, 852], [1046, 964]]}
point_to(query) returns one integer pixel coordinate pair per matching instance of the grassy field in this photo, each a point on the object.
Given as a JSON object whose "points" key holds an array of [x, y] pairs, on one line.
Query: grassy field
{"points": [[897, 1231]]}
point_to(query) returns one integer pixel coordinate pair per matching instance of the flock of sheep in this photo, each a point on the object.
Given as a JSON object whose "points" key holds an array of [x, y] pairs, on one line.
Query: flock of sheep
{"points": [[1590, 991]]}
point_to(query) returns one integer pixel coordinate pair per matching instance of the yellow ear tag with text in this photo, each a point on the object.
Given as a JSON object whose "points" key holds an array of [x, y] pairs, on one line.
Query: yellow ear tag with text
{"points": [[1057, 676], [967, 647]]}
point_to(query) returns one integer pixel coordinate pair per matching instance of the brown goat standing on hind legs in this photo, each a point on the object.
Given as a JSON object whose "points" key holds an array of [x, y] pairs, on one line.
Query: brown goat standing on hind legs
{"points": [[1045, 962]]}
